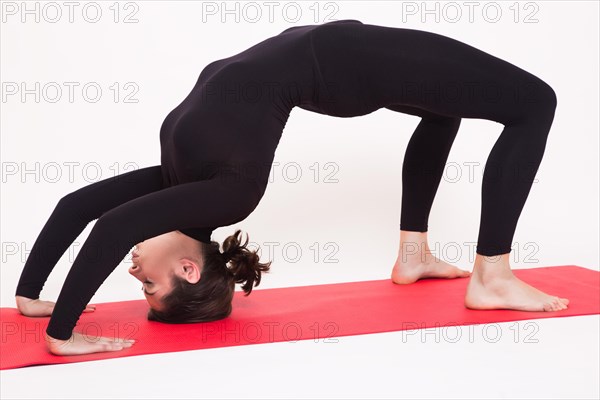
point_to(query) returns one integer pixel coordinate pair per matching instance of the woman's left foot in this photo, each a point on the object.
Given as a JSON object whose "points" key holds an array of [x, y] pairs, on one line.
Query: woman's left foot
{"points": [[411, 270]]}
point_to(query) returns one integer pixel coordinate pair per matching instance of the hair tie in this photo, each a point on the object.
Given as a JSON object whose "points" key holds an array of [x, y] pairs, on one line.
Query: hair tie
{"points": [[225, 256]]}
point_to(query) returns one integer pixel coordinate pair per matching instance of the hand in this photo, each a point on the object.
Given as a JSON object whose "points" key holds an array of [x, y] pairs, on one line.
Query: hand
{"points": [[40, 308], [80, 344]]}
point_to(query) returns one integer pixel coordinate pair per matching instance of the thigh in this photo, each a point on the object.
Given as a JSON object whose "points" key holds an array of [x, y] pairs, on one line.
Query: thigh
{"points": [[416, 111], [386, 65]]}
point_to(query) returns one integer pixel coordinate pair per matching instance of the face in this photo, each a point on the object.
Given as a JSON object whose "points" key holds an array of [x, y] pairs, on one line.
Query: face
{"points": [[155, 260]]}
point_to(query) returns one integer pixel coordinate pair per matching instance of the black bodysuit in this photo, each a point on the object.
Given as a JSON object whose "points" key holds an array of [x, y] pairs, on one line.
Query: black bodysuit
{"points": [[217, 146]]}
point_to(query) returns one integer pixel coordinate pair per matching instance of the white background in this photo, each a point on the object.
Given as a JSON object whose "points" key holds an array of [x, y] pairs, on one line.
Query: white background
{"points": [[162, 55]]}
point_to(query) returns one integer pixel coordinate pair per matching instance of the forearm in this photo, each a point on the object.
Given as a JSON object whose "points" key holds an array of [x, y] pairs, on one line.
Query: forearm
{"points": [[72, 214], [106, 246], [61, 229], [198, 204]]}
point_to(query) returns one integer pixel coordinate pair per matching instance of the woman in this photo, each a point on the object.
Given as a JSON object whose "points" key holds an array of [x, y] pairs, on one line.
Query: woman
{"points": [[217, 148]]}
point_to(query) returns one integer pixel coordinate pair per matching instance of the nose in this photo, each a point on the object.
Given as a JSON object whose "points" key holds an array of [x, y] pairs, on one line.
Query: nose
{"points": [[134, 269]]}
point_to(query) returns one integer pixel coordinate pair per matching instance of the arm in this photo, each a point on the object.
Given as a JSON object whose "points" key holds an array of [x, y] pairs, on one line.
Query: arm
{"points": [[208, 203], [69, 218], [39, 308]]}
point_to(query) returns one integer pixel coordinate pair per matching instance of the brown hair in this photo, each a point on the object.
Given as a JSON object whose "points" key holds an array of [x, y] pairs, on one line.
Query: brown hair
{"points": [[210, 298]]}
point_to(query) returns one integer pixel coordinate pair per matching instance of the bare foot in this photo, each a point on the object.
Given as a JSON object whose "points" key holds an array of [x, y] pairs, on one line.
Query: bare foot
{"points": [[433, 267], [415, 261], [494, 286]]}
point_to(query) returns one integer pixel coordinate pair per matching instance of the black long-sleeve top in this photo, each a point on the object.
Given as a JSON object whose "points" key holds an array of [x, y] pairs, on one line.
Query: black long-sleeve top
{"points": [[217, 147]]}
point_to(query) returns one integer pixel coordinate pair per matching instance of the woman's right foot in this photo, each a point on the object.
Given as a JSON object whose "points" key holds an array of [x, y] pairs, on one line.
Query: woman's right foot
{"points": [[492, 285]]}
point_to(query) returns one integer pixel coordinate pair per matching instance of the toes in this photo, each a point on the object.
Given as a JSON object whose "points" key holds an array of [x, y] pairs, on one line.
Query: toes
{"points": [[558, 304], [552, 305], [465, 274], [563, 305]]}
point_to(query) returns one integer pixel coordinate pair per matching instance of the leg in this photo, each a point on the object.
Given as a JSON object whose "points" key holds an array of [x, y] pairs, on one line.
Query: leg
{"points": [[423, 167], [397, 67], [507, 180], [452, 79], [72, 214]]}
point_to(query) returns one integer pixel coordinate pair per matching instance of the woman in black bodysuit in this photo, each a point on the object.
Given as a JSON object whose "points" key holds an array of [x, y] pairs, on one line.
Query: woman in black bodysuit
{"points": [[217, 147]]}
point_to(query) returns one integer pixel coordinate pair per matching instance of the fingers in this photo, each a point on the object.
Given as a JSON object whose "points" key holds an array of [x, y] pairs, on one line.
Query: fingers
{"points": [[102, 344], [114, 346], [89, 308], [123, 340], [116, 340]]}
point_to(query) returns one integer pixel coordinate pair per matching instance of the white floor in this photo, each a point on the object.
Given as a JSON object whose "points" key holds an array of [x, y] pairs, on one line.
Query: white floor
{"points": [[543, 359], [342, 215]]}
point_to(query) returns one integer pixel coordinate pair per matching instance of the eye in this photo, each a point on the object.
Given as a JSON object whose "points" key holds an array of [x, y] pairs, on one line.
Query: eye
{"points": [[147, 282]]}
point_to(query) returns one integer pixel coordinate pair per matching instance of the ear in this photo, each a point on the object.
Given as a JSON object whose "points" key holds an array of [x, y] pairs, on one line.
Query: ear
{"points": [[190, 270]]}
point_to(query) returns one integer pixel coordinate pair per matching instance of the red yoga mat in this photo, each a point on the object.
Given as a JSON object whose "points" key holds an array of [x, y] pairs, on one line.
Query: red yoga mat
{"points": [[297, 313]]}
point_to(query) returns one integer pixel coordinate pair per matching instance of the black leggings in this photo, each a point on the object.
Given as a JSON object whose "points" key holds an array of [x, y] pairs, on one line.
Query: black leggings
{"points": [[349, 69], [443, 80]]}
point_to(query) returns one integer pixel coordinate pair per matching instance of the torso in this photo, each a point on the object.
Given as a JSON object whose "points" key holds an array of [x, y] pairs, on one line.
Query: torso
{"points": [[235, 114]]}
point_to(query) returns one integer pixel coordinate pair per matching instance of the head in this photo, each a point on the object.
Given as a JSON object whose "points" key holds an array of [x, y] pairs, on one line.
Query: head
{"points": [[185, 280]]}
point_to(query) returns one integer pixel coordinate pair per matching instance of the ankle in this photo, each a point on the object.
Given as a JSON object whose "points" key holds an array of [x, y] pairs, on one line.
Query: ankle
{"points": [[491, 268], [413, 247], [410, 256]]}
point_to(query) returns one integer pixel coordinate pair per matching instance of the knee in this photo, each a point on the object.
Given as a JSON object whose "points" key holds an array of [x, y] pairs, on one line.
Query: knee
{"points": [[544, 98], [549, 97]]}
